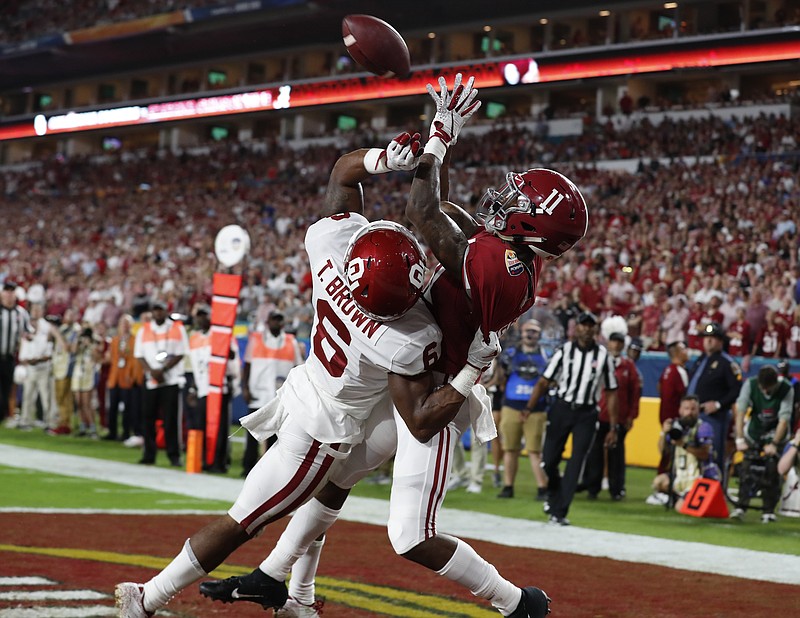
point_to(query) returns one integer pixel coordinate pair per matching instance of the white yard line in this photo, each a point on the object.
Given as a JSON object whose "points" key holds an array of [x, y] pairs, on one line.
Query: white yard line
{"points": [[86, 611], [685, 555]]}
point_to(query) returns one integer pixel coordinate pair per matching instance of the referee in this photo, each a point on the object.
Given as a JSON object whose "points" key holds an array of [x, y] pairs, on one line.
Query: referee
{"points": [[14, 323], [580, 368]]}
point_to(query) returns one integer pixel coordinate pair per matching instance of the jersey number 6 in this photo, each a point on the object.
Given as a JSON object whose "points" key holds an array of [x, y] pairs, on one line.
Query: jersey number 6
{"points": [[336, 363]]}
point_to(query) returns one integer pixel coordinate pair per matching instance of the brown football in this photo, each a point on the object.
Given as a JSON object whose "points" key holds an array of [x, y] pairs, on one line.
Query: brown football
{"points": [[376, 46]]}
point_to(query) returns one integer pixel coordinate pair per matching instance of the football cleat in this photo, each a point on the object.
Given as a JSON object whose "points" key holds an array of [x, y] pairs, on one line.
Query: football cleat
{"points": [[295, 609], [130, 600], [534, 604], [256, 587], [657, 498], [737, 513], [474, 488]]}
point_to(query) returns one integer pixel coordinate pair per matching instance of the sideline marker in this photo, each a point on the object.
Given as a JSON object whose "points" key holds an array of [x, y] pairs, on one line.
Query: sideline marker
{"points": [[705, 499]]}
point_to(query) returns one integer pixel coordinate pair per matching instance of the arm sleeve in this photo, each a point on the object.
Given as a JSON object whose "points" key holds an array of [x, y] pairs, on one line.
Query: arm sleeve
{"points": [[553, 369], [138, 352], [786, 407], [609, 375], [743, 400], [733, 378], [636, 394]]}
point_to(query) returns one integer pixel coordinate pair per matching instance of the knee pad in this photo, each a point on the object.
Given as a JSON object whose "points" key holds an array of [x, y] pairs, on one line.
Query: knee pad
{"points": [[403, 537]]}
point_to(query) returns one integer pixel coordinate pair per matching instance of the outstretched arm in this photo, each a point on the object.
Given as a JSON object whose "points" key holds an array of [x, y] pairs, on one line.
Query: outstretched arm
{"points": [[465, 221], [344, 192], [446, 239], [440, 232]]}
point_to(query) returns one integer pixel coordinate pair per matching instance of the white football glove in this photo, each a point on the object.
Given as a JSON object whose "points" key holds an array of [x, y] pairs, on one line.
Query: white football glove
{"points": [[403, 152], [453, 109], [482, 353]]}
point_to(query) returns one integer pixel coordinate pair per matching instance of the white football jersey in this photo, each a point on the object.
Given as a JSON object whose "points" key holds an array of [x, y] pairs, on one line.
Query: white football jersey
{"points": [[345, 375]]}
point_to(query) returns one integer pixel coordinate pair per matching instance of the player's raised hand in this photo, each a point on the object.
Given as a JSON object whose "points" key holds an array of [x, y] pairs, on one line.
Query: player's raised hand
{"points": [[403, 152], [481, 352], [453, 109]]}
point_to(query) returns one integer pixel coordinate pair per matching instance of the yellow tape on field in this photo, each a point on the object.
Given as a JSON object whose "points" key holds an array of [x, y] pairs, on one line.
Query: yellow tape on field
{"points": [[377, 599]]}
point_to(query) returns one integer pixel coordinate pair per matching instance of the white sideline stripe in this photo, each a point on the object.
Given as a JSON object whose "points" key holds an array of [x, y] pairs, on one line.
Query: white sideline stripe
{"points": [[26, 581], [702, 557], [53, 595], [86, 611], [48, 511]]}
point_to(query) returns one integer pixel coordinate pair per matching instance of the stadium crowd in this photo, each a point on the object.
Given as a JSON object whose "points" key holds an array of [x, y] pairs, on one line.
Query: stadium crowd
{"points": [[25, 21], [670, 247]]}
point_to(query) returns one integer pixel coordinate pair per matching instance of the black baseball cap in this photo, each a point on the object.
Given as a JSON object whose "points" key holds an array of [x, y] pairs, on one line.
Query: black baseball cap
{"points": [[636, 344], [616, 337], [158, 304], [202, 308], [587, 317], [713, 329], [9, 285], [275, 315]]}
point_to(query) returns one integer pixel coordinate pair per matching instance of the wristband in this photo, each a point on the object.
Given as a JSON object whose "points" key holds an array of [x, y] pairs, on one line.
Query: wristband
{"points": [[436, 147], [741, 442], [795, 444], [375, 161], [466, 379]]}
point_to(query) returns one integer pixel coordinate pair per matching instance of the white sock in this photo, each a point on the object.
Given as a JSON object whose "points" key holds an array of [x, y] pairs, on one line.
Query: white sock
{"points": [[301, 585], [308, 523], [183, 571], [467, 568]]}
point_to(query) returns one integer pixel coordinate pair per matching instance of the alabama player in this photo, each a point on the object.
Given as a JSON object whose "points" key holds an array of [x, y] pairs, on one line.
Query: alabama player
{"points": [[487, 281], [371, 338]]}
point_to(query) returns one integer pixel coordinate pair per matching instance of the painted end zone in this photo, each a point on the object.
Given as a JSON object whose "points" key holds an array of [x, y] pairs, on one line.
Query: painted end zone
{"points": [[360, 575]]}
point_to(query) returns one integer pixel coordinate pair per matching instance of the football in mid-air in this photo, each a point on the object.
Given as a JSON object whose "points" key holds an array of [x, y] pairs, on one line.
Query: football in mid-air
{"points": [[376, 46]]}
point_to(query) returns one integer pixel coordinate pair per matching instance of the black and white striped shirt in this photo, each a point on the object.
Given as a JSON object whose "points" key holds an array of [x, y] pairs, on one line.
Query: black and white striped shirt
{"points": [[13, 323], [580, 373]]}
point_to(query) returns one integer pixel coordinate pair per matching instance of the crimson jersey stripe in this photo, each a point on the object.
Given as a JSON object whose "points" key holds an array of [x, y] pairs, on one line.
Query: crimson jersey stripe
{"points": [[439, 481], [287, 490], [301, 499]]}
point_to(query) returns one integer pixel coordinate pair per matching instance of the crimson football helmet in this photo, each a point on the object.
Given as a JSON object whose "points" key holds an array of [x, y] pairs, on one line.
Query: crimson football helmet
{"points": [[539, 208], [385, 270]]}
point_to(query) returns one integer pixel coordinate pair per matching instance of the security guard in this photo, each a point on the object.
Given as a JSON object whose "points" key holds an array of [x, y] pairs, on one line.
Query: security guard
{"points": [[716, 379]]}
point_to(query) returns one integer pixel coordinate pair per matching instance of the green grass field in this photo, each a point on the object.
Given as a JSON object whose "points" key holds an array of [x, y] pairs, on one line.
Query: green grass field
{"points": [[633, 516]]}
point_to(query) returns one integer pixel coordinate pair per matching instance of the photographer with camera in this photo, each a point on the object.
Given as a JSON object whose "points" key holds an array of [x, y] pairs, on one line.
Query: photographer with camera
{"points": [[689, 440], [522, 365], [770, 399]]}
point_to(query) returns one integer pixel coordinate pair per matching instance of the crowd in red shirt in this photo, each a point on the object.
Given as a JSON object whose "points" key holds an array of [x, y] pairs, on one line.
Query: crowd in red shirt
{"points": [[669, 247]]}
